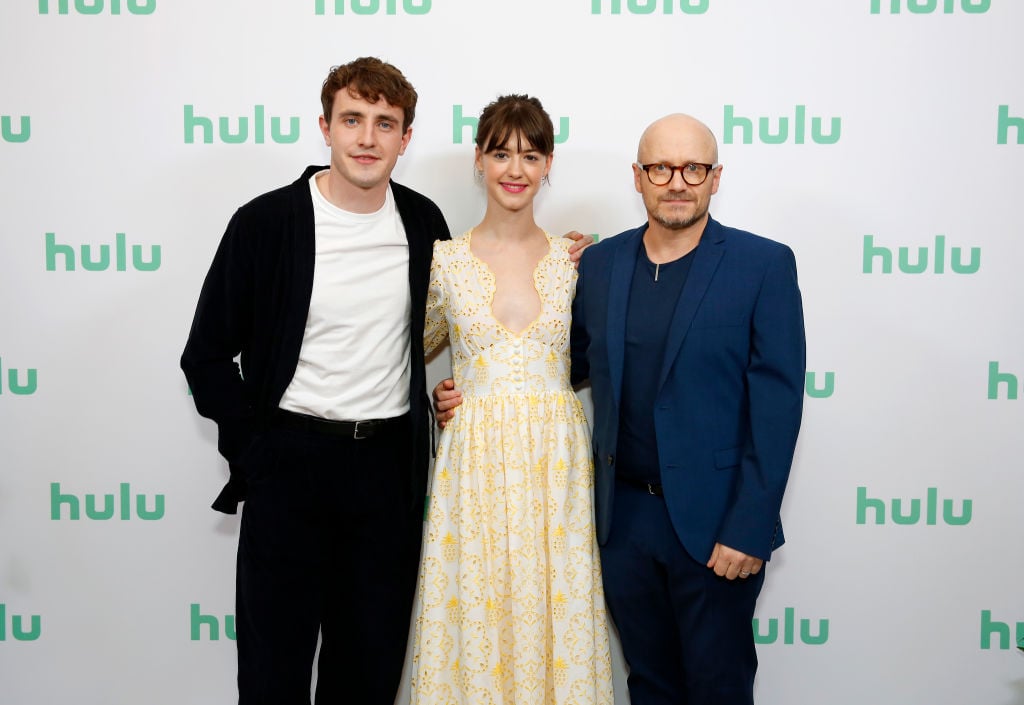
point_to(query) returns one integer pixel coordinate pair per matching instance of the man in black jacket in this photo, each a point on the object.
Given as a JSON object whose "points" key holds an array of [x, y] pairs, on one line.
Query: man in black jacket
{"points": [[319, 289]]}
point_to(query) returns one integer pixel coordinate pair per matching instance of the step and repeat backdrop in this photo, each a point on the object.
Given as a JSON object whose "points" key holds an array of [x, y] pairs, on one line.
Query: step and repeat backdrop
{"points": [[883, 140]]}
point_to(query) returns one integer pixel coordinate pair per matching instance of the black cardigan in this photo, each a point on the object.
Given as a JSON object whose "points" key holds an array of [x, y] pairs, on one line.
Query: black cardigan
{"points": [[254, 303]]}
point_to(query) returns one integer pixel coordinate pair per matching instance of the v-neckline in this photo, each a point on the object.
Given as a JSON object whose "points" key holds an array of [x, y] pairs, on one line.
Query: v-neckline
{"points": [[494, 285]]}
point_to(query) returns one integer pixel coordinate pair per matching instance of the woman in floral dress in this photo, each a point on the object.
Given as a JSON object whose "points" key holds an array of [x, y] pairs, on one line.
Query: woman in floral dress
{"points": [[510, 605]]}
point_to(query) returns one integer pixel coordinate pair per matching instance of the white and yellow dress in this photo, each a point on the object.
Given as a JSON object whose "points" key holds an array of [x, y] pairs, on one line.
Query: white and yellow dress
{"points": [[510, 607]]}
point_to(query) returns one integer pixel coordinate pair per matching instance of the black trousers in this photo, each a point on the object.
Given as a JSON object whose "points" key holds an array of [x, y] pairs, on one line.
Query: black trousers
{"points": [[329, 545]]}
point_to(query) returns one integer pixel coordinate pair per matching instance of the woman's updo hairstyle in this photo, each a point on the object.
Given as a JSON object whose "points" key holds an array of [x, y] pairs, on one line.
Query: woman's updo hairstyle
{"points": [[521, 116]]}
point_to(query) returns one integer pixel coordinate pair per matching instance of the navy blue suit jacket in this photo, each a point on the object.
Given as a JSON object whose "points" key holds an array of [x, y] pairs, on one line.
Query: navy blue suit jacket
{"points": [[730, 390]]}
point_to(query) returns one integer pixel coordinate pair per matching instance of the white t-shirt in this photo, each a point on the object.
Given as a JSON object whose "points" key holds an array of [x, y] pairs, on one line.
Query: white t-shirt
{"points": [[354, 361]]}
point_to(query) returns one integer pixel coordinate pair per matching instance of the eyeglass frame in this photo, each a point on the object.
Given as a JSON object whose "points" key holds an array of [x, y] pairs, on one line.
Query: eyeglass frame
{"points": [[709, 167]]}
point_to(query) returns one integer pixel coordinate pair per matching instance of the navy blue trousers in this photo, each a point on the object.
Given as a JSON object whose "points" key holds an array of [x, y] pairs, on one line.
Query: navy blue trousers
{"points": [[329, 545], [686, 633]]}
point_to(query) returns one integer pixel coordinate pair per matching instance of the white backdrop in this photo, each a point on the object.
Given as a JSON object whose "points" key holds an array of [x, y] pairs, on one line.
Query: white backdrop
{"points": [[875, 137]]}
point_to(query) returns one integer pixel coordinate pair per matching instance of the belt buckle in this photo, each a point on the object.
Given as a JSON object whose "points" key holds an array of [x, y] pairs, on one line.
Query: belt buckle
{"points": [[355, 432], [650, 490]]}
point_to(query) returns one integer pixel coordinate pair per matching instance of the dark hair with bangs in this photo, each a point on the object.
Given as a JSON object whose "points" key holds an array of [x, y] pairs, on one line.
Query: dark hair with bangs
{"points": [[521, 116], [371, 79]]}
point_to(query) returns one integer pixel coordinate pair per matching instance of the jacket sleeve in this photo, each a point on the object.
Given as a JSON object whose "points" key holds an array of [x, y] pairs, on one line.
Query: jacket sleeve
{"points": [[220, 331], [775, 389], [579, 340]]}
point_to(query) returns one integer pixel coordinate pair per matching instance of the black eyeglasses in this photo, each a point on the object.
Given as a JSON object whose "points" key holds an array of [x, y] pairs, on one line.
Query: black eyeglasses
{"points": [[693, 173]]}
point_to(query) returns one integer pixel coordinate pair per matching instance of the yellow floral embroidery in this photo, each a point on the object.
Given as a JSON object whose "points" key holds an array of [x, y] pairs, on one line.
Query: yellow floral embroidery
{"points": [[509, 546]]}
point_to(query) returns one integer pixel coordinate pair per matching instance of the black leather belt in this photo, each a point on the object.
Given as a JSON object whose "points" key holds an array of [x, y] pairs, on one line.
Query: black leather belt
{"points": [[356, 430], [648, 487]]}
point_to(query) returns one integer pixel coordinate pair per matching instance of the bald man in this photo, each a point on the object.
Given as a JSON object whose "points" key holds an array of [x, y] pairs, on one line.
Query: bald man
{"points": [[691, 334]]}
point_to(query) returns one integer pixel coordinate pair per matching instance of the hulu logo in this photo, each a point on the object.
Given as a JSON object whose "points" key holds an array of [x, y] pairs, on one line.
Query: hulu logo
{"points": [[1000, 629], [102, 262], [96, 7], [1006, 121], [913, 515], [198, 619], [789, 630], [647, 7], [461, 122], [884, 254], [996, 378], [7, 129], [373, 7], [122, 505], [18, 626], [926, 7], [822, 392], [240, 134], [780, 134], [14, 385]]}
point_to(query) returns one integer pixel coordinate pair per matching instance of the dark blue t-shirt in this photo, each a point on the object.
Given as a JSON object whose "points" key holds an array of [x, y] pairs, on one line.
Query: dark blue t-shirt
{"points": [[653, 296]]}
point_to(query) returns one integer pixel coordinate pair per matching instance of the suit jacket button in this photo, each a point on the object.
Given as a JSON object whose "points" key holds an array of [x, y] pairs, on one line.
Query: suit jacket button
{"points": [[611, 459]]}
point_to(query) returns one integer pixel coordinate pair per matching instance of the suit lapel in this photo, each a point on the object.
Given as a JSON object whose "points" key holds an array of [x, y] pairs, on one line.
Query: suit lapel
{"points": [[619, 284], [705, 263]]}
